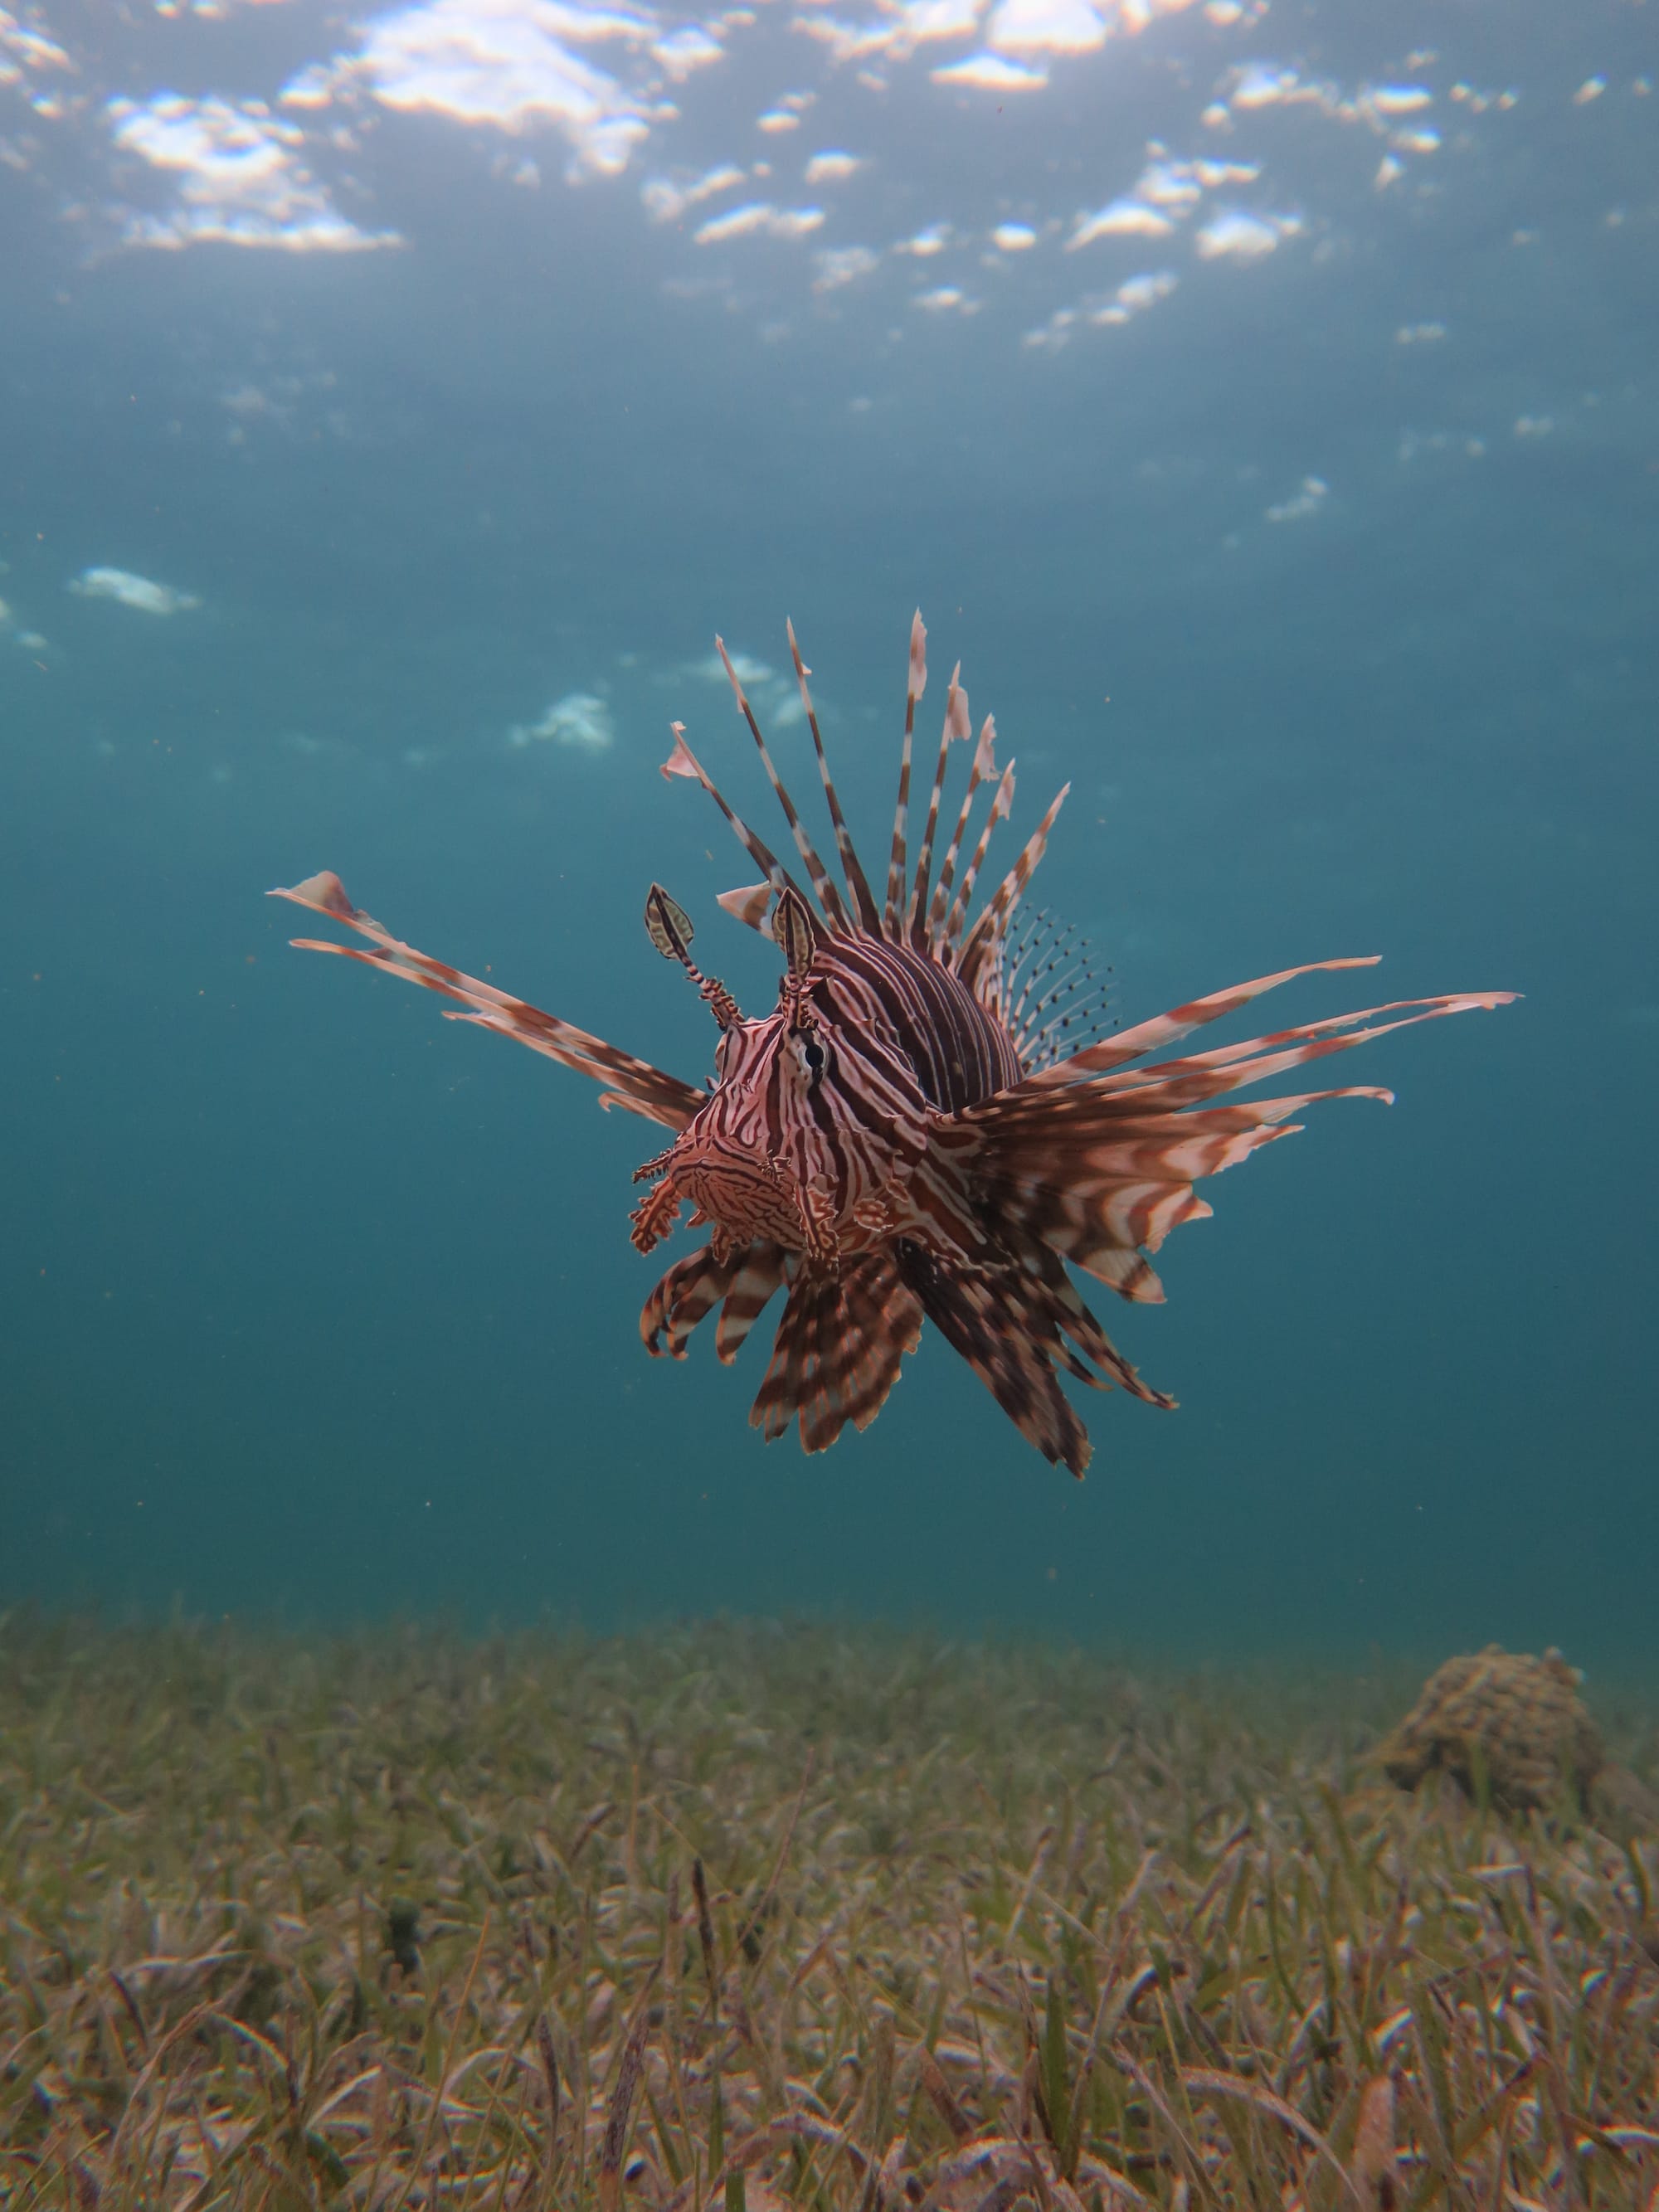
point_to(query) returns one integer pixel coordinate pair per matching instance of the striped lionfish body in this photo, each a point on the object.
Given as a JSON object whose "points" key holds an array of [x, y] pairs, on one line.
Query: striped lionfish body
{"points": [[914, 1133]]}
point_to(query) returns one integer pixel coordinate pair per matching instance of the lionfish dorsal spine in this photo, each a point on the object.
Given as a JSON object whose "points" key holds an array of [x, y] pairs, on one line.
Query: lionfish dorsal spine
{"points": [[897, 864], [1002, 804], [983, 765], [993, 917], [858, 886], [684, 762], [956, 729], [827, 896]]}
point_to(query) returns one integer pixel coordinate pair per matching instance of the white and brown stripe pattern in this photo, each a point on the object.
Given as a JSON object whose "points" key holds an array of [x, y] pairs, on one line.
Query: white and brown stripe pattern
{"points": [[908, 1136]]}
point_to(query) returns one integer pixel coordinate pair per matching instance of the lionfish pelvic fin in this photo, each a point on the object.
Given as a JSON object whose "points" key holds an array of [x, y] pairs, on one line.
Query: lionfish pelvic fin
{"points": [[838, 1351]]}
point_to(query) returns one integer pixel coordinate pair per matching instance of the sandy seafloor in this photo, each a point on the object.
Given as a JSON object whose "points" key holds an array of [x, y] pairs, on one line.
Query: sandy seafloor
{"points": [[748, 1913]]}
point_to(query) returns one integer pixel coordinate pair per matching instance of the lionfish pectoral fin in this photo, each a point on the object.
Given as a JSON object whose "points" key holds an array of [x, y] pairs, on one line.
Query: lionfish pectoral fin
{"points": [[1116, 1052], [841, 1342], [1102, 1168], [636, 1083], [1102, 1185], [607, 1098]]}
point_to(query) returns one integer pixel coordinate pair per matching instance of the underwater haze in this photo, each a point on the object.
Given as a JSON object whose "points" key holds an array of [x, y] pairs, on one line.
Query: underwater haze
{"points": [[1258, 399]]}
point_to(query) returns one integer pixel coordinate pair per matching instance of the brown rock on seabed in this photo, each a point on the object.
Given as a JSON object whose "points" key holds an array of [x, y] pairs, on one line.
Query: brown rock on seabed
{"points": [[1508, 1719], [1517, 1719]]}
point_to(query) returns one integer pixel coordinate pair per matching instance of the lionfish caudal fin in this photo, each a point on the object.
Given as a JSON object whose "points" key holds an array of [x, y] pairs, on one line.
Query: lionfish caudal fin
{"points": [[916, 911], [631, 1083]]}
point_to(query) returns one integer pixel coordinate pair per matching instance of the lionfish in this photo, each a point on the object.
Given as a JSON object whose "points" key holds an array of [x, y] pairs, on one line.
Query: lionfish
{"points": [[913, 1132]]}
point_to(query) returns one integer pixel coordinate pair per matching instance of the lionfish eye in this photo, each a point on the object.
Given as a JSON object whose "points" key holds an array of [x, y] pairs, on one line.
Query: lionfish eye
{"points": [[812, 1053]]}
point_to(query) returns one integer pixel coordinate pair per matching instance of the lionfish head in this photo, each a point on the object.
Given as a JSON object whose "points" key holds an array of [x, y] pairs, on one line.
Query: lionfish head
{"points": [[776, 1151]]}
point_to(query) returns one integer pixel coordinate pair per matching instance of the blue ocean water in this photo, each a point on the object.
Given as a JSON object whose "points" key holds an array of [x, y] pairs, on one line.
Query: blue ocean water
{"points": [[1258, 400]]}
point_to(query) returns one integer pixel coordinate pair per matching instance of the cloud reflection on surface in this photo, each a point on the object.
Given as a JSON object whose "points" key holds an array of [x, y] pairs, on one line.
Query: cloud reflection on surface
{"points": [[705, 117]]}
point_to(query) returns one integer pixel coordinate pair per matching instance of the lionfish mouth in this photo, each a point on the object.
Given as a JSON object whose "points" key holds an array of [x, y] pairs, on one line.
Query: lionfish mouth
{"points": [[929, 1128]]}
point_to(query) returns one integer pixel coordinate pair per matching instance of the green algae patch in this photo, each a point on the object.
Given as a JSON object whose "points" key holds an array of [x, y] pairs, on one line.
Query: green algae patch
{"points": [[739, 1916]]}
